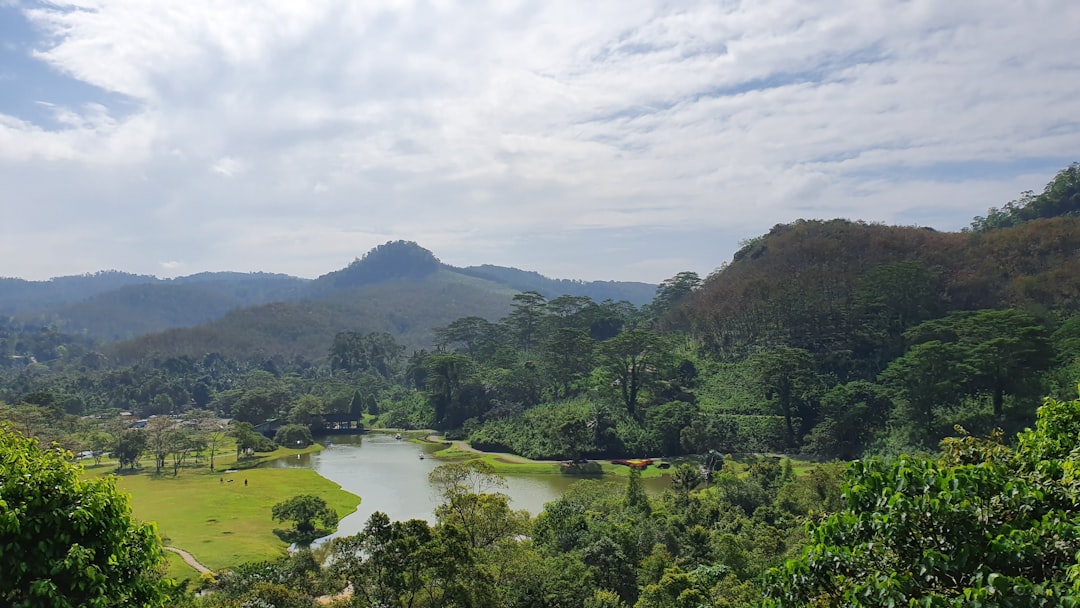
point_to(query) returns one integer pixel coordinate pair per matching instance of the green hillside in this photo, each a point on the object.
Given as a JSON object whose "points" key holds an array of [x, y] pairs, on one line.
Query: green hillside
{"points": [[408, 310], [822, 285]]}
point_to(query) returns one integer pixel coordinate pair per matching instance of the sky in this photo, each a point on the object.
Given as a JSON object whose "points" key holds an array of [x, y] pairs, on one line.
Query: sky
{"points": [[614, 140]]}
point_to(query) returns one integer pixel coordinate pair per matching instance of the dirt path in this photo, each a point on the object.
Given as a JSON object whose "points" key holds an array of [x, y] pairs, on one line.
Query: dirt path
{"points": [[190, 560]]}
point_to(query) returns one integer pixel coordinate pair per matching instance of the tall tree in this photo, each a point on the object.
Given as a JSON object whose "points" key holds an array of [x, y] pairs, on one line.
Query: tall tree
{"points": [[1004, 349], [526, 318], [479, 337], [471, 501], [635, 359], [162, 436], [929, 376], [674, 290], [567, 357], [788, 377], [446, 376]]}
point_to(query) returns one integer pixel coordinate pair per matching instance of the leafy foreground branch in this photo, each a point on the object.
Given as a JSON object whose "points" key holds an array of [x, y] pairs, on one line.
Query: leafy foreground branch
{"points": [[69, 541], [983, 524]]}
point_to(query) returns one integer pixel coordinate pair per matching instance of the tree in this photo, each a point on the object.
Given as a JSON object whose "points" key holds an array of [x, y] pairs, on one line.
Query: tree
{"points": [[247, 438], [306, 511], [525, 320], [387, 562], [1061, 197], [636, 498], [1003, 348], [358, 352], [356, 405], [687, 477], [293, 436], [446, 376], [409, 563], [983, 524], [161, 437], [635, 359], [891, 298], [129, 447], [470, 502], [66, 540], [308, 410], [787, 375], [567, 357], [672, 291], [183, 444], [480, 337], [99, 443], [850, 416], [211, 428]]}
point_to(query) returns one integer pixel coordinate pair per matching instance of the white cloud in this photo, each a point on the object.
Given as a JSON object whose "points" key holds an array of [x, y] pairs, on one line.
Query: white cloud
{"points": [[483, 128], [228, 166]]}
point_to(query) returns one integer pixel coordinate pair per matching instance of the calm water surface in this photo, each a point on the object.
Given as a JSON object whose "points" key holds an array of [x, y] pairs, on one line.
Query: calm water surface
{"points": [[389, 476]]}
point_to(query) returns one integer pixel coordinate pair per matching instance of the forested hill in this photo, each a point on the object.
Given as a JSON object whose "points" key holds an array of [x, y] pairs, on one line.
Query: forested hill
{"points": [[408, 310], [21, 296], [849, 289], [115, 305], [637, 294]]}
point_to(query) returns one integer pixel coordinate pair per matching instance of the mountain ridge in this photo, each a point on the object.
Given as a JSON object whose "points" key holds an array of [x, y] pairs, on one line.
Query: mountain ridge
{"points": [[113, 306]]}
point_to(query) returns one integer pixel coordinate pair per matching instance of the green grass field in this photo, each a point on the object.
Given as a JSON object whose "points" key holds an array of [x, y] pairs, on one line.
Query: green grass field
{"points": [[215, 516]]}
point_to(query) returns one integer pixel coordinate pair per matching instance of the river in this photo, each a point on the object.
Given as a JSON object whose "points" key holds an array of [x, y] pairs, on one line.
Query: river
{"points": [[390, 476]]}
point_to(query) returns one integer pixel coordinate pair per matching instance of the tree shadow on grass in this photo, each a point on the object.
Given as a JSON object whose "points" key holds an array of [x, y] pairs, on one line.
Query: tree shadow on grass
{"points": [[296, 537]]}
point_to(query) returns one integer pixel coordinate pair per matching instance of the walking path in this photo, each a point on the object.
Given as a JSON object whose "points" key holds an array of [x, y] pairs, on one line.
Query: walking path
{"points": [[190, 560]]}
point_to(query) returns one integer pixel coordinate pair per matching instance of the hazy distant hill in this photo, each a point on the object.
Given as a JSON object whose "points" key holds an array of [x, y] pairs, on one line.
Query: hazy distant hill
{"points": [[113, 306], [136, 310], [395, 260], [407, 309], [19, 296], [93, 306], [525, 280]]}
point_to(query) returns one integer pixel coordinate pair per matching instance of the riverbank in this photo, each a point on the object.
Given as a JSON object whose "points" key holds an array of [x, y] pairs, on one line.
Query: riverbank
{"points": [[224, 518], [504, 462]]}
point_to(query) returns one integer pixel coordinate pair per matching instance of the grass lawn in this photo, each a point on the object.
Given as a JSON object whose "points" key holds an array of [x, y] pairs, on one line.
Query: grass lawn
{"points": [[223, 523], [519, 465]]}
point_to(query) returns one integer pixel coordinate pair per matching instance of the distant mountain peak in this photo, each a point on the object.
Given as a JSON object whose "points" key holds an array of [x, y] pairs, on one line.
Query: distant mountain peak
{"points": [[389, 261]]}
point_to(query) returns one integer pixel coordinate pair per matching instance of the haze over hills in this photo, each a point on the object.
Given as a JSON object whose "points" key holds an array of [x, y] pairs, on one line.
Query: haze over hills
{"points": [[115, 306]]}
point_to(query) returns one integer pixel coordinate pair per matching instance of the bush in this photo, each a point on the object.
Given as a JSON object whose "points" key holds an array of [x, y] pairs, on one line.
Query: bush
{"points": [[293, 436]]}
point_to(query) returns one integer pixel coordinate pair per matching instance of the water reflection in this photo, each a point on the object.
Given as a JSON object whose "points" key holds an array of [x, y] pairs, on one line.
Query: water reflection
{"points": [[390, 475]]}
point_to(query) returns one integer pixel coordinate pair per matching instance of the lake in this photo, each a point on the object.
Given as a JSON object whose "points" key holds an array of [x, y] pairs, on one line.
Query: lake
{"points": [[389, 476]]}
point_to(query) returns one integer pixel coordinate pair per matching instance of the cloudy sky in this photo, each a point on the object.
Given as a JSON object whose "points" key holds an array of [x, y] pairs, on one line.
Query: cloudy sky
{"points": [[595, 140]]}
